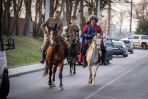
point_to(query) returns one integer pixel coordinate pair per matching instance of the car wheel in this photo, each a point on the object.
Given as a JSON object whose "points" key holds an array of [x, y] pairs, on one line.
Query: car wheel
{"points": [[4, 90], [108, 62], [144, 46], [105, 62], [125, 55], [132, 52]]}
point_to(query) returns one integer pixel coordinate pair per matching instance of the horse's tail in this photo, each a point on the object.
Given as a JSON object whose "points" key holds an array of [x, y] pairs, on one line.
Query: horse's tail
{"points": [[46, 71]]}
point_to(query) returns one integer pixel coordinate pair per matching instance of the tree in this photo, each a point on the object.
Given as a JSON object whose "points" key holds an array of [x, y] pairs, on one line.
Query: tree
{"points": [[19, 5], [53, 6], [28, 16], [6, 16], [143, 27], [141, 13], [39, 17]]}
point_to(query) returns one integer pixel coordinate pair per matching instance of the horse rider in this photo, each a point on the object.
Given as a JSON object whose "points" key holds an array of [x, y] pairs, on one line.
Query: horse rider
{"points": [[88, 32], [72, 30], [72, 33], [50, 23]]}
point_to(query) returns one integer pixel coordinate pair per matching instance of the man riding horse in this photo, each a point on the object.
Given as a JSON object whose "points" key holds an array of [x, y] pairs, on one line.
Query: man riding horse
{"points": [[50, 23], [72, 32], [72, 29], [88, 32]]}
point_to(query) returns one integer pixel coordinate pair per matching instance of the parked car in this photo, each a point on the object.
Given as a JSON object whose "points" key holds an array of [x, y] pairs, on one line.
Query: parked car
{"points": [[119, 48], [109, 50], [139, 41], [108, 43], [129, 44], [4, 76]]}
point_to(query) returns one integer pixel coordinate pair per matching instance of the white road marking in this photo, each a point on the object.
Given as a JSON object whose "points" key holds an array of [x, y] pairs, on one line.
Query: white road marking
{"points": [[111, 82]]}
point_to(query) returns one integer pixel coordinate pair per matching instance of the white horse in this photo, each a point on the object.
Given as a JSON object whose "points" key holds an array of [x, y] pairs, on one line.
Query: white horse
{"points": [[93, 59]]}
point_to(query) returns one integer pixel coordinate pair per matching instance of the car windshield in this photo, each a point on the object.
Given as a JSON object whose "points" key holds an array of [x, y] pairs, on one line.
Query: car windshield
{"points": [[126, 41], [118, 43], [108, 42]]}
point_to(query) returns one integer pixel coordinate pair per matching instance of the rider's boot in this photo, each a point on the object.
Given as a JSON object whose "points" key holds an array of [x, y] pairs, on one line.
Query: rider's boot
{"points": [[43, 56], [84, 61]]}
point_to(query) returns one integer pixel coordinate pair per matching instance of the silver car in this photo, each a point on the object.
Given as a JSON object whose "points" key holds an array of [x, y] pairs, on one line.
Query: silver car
{"points": [[128, 43], [4, 76], [119, 48]]}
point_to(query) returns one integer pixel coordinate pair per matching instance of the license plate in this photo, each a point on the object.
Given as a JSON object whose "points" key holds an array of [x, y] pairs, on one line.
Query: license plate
{"points": [[115, 48]]}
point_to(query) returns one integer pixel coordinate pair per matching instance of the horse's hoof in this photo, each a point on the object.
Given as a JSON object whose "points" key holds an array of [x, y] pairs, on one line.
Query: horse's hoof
{"points": [[61, 88], [53, 85], [70, 74], [89, 82], [50, 86], [93, 85]]}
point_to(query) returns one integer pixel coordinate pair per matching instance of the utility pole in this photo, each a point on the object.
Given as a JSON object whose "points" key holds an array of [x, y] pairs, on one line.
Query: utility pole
{"points": [[109, 17], [98, 8], [131, 16]]}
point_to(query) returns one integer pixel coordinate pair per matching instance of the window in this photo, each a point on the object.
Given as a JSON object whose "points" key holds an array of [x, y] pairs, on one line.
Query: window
{"points": [[144, 37], [108, 43], [135, 37], [126, 41]]}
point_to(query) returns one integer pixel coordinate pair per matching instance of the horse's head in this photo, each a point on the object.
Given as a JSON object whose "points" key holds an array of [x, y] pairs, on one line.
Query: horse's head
{"points": [[53, 35]]}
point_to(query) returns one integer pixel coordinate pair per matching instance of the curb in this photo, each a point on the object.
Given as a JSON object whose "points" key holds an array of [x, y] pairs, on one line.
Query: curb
{"points": [[23, 73], [12, 74]]}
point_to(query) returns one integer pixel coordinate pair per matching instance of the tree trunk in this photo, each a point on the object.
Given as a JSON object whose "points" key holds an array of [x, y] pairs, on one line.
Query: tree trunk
{"points": [[39, 18], [16, 16], [15, 10], [68, 11], [6, 17], [82, 18], [75, 8], [28, 16]]}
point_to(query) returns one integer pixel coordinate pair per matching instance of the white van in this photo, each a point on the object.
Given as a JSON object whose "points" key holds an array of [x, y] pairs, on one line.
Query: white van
{"points": [[4, 76]]}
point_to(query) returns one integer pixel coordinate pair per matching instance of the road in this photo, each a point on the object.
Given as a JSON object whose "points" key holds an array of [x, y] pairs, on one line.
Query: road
{"points": [[124, 78]]}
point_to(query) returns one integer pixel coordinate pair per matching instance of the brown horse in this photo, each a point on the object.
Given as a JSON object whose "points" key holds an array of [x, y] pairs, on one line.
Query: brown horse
{"points": [[54, 58]]}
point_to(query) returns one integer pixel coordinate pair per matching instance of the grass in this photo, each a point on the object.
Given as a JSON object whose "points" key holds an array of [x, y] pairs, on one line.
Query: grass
{"points": [[27, 50]]}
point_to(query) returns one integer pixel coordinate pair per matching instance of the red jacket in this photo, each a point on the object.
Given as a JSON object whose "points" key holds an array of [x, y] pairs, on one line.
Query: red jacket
{"points": [[85, 29]]}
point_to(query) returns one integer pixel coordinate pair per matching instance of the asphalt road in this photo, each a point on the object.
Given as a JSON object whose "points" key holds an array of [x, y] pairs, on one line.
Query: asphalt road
{"points": [[124, 78]]}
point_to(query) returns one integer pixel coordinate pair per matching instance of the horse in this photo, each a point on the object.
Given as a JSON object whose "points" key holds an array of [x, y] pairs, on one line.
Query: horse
{"points": [[73, 51], [93, 59], [54, 58]]}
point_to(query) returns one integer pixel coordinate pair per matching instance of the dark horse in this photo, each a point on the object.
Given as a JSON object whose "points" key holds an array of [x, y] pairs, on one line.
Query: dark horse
{"points": [[54, 57], [73, 51]]}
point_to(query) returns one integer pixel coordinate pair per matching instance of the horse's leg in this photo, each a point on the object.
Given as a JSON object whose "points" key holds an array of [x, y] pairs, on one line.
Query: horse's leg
{"points": [[54, 72], [74, 72], [90, 75], [94, 74], [70, 64], [50, 75], [61, 76]]}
